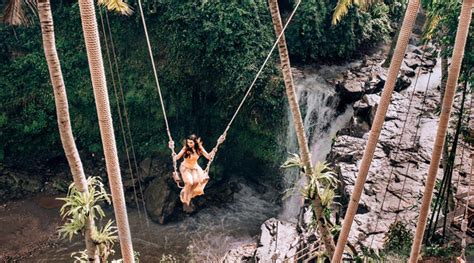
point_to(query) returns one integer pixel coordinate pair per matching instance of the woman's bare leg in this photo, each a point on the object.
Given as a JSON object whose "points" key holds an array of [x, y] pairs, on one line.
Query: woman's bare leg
{"points": [[188, 186], [203, 177], [199, 182], [195, 181]]}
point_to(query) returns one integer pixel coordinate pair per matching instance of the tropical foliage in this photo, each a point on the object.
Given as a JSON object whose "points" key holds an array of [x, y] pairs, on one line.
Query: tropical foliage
{"points": [[312, 36], [321, 181], [79, 207], [398, 240], [440, 27], [208, 53]]}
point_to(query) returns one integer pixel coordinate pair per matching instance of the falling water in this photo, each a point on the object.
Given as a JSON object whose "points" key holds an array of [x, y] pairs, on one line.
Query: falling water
{"points": [[206, 236], [318, 103]]}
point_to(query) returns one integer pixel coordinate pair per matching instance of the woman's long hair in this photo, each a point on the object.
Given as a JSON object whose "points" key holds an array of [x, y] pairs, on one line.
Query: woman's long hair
{"points": [[188, 151]]}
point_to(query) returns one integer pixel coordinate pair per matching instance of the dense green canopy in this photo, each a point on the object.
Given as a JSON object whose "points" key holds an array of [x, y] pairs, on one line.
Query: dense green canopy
{"points": [[207, 52]]}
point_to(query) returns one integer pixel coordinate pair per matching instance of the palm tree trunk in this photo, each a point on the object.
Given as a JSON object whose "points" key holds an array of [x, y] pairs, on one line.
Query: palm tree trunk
{"points": [[298, 122], [96, 66], [444, 78], [402, 42], [393, 44], [444, 71], [458, 53], [62, 112]]}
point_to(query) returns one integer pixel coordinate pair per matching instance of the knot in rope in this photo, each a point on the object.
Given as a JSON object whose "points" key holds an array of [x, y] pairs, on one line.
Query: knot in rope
{"points": [[171, 145], [221, 139]]}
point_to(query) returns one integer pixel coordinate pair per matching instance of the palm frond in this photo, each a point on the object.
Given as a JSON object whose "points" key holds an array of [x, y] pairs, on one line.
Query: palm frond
{"points": [[16, 14], [342, 8], [79, 207], [80, 256], [293, 161], [118, 6], [106, 235], [322, 182], [325, 175], [430, 26]]}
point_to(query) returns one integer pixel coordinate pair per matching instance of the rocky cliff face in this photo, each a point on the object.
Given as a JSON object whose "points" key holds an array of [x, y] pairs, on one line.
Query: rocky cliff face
{"points": [[396, 179]]}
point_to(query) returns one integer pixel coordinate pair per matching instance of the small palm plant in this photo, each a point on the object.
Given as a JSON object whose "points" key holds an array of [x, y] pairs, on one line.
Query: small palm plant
{"points": [[322, 182], [105, 239], [80, 207]]}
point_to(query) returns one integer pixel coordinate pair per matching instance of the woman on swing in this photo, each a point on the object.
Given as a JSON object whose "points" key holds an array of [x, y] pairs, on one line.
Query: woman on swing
{"points": [[193, 176]]}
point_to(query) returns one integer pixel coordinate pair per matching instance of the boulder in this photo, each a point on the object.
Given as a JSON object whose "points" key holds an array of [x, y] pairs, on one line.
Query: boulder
{"points": [[145, 168], [161, 200], [350, 90], [402, 83], [278, 241], [356, 127], [347, 149], [413, 62], [242, 254], [16, 184], [429, 63], [407, 71], [372, 101]]}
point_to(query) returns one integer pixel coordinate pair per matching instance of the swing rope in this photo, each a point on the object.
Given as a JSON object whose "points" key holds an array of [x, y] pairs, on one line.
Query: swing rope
{"points": [[467, 209], [446, 183], [423, 103], [400, 141], [224, 134], [119, 111], [127, 120], [125, 114], [221, 138], [155, 74]]}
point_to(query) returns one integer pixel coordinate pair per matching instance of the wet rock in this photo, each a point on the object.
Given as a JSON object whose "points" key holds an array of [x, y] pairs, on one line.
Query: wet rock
{"points": [[413, 62], [347, 149], [145, 167], [243, 254], [351, 90], [356, 127], [429, 63], [14, 184], [399, 165], [366, 108], [155, 167], [407, 71], [276, 241], [402, 83], [161, 200]]}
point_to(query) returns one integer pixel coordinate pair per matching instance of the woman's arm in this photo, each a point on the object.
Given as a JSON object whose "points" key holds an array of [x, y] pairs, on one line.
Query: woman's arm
{"points": [[205, 153], [181, 153]]}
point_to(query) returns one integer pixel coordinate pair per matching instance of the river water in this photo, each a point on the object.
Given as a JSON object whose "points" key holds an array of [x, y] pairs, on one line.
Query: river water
{"points": [[209, 234], [204, 237]]}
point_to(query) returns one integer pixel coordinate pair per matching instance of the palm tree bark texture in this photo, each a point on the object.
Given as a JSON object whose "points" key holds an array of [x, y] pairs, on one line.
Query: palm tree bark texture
{"points": [[323, 227], [400, 49], [96, 67], [62, 112], [456, 61]]}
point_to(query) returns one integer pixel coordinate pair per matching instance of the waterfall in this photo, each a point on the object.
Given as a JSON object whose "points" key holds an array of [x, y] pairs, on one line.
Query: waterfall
{"points": [[318, 102]]}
